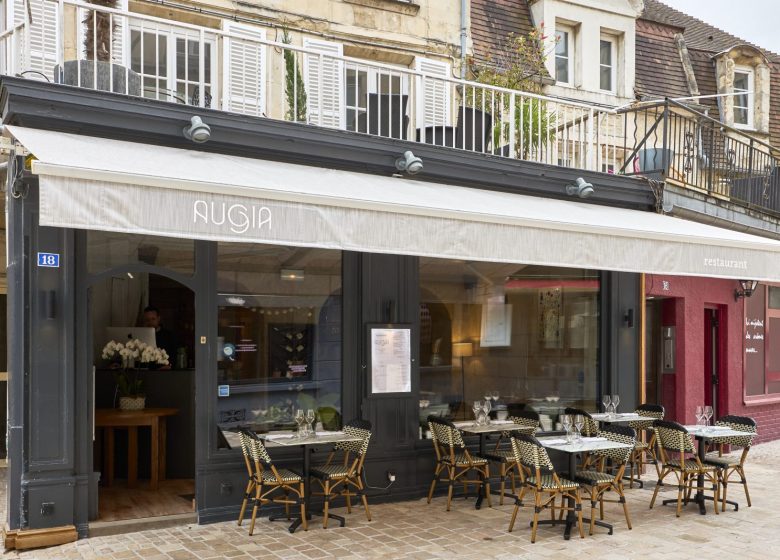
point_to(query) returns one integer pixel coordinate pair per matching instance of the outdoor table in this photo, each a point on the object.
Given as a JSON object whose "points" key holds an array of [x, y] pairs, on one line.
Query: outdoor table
{"points": [[482, 430], [619, 418], [572, 449], [306, 444], [705, 434]]}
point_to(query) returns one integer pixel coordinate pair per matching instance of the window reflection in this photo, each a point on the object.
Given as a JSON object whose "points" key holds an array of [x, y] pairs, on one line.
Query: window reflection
{"points": [[279, 335], [106, 250], [529, 333]]}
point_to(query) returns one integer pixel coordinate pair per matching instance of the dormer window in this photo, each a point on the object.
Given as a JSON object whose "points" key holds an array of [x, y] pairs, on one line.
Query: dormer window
{"points": [[564, 56], [607, 64], [743, 93]]}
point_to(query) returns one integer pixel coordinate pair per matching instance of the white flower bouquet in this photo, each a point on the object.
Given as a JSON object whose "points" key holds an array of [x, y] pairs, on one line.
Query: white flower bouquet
{"points": [[134, 351]]}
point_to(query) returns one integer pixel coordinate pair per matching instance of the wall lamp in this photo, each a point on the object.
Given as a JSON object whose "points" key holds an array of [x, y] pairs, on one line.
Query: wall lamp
{"points": [[198, 131], [748, 287], [580, 188], [409, 163]]}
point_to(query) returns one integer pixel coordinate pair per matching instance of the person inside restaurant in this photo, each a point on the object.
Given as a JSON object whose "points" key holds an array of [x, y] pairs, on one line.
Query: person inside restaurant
{"points": [[165, 338]]}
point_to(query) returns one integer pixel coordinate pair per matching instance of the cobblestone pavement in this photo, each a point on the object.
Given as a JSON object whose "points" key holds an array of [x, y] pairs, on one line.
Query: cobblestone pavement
{"points": [[415, 530]]}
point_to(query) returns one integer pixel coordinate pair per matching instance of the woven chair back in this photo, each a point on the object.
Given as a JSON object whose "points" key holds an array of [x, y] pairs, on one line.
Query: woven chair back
{"points": [[529, 452], [253, 447], [445, 432], [356, 428], [589, 426], [618, 434], [739, 424], [526, 419], [653, 412], [673, 436]]}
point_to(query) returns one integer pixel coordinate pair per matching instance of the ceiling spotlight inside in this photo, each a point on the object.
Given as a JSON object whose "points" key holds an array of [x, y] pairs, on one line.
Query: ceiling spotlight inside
{"points": [[580, 188], [409, 163], [198, 131]]}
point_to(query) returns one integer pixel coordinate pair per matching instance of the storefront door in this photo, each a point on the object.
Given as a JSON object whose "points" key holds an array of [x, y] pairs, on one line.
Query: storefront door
{"points": [[711, 360]]}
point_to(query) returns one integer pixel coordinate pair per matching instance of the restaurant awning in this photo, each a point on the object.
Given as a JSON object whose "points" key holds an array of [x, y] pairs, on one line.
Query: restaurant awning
{"points": [[112, 185]]}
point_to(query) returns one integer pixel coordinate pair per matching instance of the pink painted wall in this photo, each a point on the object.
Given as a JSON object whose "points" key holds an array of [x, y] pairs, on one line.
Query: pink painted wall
{"points": [[684, 390]]}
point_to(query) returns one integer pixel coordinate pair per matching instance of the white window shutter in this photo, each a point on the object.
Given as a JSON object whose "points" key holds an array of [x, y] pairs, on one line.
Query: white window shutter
{"points": [[243, 69], [433, 95], [324, 82], [42, 40]]}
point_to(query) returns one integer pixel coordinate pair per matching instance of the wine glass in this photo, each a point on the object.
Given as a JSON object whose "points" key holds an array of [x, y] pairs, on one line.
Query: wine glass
{"points": [[486, 409], [566, 421], [606, 400], [579, 420], [310, 417], [300, 418], [615, 403], [699, 414], [708, 412], [477, 408]]}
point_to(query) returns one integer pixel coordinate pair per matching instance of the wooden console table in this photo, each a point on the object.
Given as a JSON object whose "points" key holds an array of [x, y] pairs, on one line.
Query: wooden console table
{"points": [[111, 418]]}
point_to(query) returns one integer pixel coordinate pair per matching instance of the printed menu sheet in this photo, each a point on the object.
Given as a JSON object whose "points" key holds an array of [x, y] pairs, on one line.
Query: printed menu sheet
{"points": [[391, 363]]}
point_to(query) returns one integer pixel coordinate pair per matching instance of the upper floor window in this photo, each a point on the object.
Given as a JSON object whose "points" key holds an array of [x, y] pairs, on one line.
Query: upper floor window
{"points": [[743, 89], [607, 64], [564, 55]]}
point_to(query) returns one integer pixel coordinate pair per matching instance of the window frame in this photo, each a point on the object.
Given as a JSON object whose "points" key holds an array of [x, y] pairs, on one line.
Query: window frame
{"points": [[612, 40], [373, 81], [570, 53], [748, 93], [769, 376], [171, 36]]}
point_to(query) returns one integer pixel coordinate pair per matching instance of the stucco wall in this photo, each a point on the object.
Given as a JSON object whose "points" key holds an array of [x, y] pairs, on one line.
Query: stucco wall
{"points": [[689, 296], [590, 19]]}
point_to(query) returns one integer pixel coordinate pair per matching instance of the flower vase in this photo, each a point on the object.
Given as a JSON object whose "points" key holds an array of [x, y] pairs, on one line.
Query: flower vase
{"points": [[132, 403]]}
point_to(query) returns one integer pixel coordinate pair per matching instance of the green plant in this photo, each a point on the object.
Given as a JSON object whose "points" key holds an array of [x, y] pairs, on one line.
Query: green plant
{"points": [[99, 31], [129, 383], [519, 66], [294, 90]]}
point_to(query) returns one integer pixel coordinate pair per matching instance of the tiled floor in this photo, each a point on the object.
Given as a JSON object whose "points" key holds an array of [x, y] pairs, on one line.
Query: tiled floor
{"points": [[415, 530]]}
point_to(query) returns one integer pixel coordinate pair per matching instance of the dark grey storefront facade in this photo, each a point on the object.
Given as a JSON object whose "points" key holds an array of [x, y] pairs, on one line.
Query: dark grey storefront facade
{"points": [[51, 480]]}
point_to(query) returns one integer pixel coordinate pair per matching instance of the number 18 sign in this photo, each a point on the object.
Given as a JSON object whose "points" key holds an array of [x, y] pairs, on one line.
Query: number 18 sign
{"points": [[50, 260]]}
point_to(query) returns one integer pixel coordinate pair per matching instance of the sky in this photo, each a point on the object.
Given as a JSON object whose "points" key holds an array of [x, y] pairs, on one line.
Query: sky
{"points": [[753, 20]]}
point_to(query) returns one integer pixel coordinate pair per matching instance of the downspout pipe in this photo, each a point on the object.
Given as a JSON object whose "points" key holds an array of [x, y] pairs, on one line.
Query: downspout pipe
{"points": [[463, 37]]}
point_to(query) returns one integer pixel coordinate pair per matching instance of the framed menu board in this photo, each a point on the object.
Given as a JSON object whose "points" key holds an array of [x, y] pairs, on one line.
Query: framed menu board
{"points": [[390, 358]]}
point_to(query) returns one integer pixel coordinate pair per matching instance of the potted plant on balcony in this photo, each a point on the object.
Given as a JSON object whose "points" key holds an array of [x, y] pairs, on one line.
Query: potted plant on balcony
{"points": [[130, 357], [100, 69], [519, 66], [294, 89]]}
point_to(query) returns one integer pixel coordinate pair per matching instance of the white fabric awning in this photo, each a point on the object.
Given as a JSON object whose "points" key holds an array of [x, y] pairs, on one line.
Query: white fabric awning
{"points": [[94, 183]]}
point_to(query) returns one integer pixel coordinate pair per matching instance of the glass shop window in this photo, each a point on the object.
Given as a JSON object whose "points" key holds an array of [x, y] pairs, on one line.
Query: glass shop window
{"points": [[279, 335], [526, 337]]}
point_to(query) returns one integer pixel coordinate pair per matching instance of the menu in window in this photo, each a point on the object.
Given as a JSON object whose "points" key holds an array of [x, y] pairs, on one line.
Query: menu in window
{"points": [[391, 363], [754, 347]]}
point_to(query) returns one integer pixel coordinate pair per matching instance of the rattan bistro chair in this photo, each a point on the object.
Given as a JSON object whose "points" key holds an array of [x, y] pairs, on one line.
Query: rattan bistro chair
{"points": [[343, 477], [544, 482], [266, 481], [643, 450], [526, 421], [728, 466], [674, 443], [453, 457], [600, 482]]}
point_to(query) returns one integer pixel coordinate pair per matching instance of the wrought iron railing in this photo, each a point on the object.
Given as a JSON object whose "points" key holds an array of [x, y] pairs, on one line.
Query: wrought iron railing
{"points": [[670, 141]]}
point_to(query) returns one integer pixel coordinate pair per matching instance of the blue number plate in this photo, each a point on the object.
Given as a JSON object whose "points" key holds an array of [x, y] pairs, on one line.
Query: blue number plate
{"points": [[51, 260]]}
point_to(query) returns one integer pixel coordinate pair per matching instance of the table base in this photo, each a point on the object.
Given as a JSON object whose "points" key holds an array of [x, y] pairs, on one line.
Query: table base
{"points": [[700, 499], [570, 523], [297, 522]]}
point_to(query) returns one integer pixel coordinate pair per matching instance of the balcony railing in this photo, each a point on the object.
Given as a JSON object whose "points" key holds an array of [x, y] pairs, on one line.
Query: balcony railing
{"points": [[670, 141], [236, 68]]}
